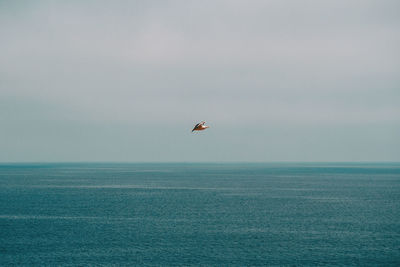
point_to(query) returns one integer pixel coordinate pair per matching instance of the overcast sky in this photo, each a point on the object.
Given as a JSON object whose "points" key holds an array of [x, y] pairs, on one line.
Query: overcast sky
{"points": [[127, 80]]}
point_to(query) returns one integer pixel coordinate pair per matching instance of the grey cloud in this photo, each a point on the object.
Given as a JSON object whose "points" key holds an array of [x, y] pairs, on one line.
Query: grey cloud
{"points": [[133, 64]]}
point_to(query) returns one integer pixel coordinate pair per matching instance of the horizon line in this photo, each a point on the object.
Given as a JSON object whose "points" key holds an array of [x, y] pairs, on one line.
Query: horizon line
{"points": [[186, 162]]}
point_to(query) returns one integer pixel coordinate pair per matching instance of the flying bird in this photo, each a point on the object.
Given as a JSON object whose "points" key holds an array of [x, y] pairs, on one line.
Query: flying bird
{"points": [[200, 126]]}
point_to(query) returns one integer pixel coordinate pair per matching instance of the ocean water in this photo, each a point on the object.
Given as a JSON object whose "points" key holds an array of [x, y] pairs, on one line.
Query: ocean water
{"points": [[200, 214]]}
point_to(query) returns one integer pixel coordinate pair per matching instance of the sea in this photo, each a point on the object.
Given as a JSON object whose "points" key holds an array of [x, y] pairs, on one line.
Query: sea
{"points": [[200, 214]]}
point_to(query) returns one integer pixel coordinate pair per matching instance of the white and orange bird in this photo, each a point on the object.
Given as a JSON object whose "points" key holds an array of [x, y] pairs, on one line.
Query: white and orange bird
{"points": [[200, 126]]}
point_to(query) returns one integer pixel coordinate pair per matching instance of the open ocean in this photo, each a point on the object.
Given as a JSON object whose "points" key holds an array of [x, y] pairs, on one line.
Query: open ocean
{"points": [[200, 214]]}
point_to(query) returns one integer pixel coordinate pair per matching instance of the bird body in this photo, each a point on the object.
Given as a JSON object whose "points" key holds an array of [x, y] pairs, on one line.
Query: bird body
{"points": [[200, 126]]}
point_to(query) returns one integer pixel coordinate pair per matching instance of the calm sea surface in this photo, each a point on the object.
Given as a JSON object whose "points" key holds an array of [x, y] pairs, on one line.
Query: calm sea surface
{"points": [[200, 214]]}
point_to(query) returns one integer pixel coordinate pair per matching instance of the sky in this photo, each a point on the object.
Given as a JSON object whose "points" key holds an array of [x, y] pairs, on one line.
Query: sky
{"points": [[126, 81]]}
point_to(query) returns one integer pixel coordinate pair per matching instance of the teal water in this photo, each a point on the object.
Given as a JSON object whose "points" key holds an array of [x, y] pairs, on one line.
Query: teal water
{"points": [[200, 214]]}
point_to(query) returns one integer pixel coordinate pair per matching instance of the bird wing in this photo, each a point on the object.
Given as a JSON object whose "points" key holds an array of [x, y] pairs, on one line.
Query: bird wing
{"points": [[195, 127]]}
